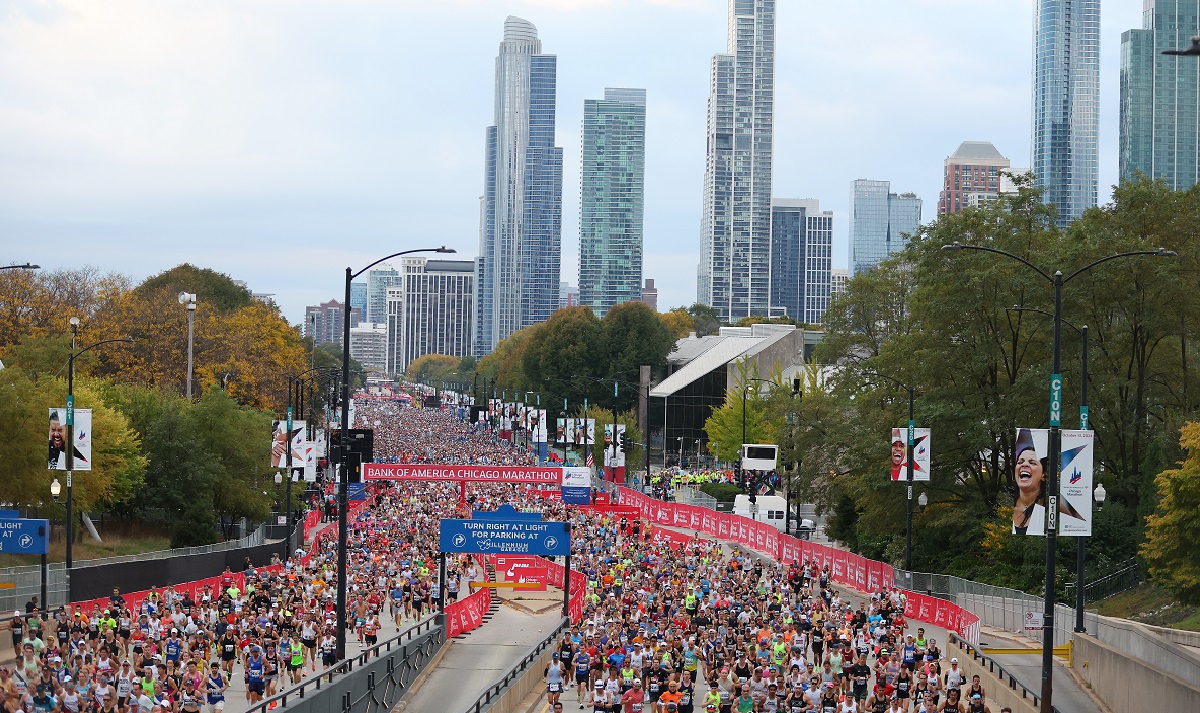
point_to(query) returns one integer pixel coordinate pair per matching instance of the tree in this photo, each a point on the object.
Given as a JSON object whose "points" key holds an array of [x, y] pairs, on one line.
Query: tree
{"points": [[678, 322], [634, 336], [705, 318], [1174, 529], [432, 367], [724, 425], [213, 288], [565, 354], [39, 304]]}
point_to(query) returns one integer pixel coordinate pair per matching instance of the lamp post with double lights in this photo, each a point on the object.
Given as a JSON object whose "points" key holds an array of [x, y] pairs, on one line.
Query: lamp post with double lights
{"points": [[1052, 490], [343, 481], [1080, 540], [71, 434]]}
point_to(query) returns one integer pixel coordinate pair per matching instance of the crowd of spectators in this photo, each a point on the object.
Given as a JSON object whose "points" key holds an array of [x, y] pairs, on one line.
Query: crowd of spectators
{"points": [[404, 434]]}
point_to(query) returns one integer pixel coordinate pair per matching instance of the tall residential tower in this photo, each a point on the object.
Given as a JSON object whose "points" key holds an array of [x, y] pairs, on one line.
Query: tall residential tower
{"points": [[801, 256], [735, 225], [1066, 104], [611, 199], [1160, 96], [520, 232]]}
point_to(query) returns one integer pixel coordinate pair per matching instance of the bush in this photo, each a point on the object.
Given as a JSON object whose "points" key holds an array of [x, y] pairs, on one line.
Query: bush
{"points": [[723, 492]]}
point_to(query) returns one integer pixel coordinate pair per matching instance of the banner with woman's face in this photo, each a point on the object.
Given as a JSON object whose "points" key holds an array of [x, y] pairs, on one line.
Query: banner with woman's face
{"points": [[1074, 501]]}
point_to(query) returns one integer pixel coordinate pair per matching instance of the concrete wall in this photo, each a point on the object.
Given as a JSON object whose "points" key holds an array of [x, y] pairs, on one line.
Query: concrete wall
{"points": [[510, 700], [1146, 643], [1127, 684], [1178, 636]]}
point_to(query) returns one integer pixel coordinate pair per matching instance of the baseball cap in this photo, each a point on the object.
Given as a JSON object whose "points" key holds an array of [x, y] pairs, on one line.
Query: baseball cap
{"points": [[599, 684], [953, 660]]}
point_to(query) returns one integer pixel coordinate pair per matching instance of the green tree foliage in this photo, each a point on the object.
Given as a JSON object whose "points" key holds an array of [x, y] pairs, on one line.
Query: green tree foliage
{"points": [[214, 288], [1174, 529], [706, 319], [678, 322], [432, 367], [746, 404], [939, 322], [633, 335]]}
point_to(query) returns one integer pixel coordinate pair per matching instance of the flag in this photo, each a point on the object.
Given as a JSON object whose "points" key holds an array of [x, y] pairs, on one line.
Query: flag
{"points": [[589, 463]]}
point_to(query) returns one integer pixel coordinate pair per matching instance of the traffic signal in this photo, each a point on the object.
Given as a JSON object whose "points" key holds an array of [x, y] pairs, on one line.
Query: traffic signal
{"points": [[624, 443]]}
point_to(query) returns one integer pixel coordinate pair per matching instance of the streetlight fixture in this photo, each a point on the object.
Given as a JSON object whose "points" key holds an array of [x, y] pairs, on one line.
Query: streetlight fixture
{"points": [[188, 299], [1052, 490], [922, 501], [344, 480], [1192, 51], [74, 321], [26, 266]]}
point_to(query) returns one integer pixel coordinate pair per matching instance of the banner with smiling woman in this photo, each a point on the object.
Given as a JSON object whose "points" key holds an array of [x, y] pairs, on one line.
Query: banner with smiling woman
{"points": [[1075, 482]]}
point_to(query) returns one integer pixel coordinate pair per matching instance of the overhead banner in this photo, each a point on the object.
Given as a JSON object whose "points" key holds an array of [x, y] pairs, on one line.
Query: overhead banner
{"points": [[468, 473], [56, 457], [278, 441], [1073, 506], [921, 437]]}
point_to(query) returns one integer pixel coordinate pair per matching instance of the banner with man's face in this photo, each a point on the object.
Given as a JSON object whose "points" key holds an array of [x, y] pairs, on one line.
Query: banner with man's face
{"points": [[56, 458], [279, 441], [899, 453]]}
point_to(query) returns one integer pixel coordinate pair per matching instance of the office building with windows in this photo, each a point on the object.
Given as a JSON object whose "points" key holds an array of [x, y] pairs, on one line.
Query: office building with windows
{"points": [[650, 294], [323, 322], [879, 222], [1066, 104], [520, 233], [379, 279], [368, 345], [837, 282], [430, 311], [1160, 96], [801, 255], [971, 176], [611, 182], [358, 296], [734, 273]]}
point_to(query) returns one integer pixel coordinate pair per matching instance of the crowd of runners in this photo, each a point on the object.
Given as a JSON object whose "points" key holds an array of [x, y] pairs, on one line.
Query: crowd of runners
{"points": [[665, 631]]}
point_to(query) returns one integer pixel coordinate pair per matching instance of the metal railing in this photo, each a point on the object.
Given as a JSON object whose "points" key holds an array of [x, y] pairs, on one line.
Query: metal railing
{"points": [[997, 670], [493, 692], [689, 495], [1127, 576], [373, 695]]}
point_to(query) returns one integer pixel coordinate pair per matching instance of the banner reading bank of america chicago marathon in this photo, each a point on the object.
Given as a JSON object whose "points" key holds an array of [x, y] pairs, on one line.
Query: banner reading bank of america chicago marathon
{"points": [[468, 473]]}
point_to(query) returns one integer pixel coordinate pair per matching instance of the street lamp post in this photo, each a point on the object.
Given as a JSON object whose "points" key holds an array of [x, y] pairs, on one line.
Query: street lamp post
{"points": [[343, 481], [908, 470], [742, 452], [1052, 491], [188, 299], [71, 436], [1080, 541]]}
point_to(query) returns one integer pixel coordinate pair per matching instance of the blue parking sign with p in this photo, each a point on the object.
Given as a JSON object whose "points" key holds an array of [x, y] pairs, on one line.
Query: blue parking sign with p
{"points": [[20, 536]]}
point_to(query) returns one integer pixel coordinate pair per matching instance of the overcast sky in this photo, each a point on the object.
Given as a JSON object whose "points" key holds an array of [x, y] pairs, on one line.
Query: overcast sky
{"points": [[281, 140]]}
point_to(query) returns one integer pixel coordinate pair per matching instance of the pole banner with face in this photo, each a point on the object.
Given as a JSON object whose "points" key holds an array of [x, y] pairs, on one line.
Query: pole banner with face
{"points": [[899, 461], [1075, 482], [56, 458], [279, 450]]}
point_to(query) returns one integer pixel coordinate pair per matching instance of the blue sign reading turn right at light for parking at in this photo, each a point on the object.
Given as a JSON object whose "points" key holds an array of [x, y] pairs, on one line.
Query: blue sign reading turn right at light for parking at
{"points": [[500, 537], [20, 536]]}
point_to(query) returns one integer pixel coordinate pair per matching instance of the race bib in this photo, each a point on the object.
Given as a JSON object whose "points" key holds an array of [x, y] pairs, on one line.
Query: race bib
{"points": [[555, 687]]}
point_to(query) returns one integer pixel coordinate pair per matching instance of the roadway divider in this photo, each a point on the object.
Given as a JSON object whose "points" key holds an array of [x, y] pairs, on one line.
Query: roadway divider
{"points": [[846, 568]]}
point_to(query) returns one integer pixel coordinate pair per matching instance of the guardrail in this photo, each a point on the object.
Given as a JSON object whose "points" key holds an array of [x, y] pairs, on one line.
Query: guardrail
{"points": [[997, 670], [493, 693], [336, 690]]}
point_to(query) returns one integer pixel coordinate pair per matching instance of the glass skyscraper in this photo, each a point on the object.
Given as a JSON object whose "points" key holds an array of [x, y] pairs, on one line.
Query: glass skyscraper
{"points": [[1160, 96], [520, 233], [801, 258], [879, 220], [611, 199], [735, 242], [1066, 98]]}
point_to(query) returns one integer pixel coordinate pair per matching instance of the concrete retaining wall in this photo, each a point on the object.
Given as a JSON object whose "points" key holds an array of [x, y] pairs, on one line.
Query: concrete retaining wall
{"points": [[999, 692], [1127, 684], [510, 700], [1146, 643]]}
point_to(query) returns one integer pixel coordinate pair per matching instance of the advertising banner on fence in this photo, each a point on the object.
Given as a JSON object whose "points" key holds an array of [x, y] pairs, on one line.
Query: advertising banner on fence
{"points": [[466, 614], [468, 473], [921, 438], [56, 457], [577, 486], [523, 570], [1074, 503]]}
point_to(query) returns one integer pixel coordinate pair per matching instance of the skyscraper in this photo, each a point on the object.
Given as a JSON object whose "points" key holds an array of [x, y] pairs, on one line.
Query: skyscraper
{"points": [[1066, 99], [879, 220], [429, 310], [801, 255], [379, 279], [972, 174], [358, 296], [323, 322], [735, 236], [520, 232], [610, 208], [1160, 96]]}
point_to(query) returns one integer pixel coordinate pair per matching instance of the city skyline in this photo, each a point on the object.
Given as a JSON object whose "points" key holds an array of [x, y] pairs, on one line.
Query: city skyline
{"points": [[291, 161]]}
